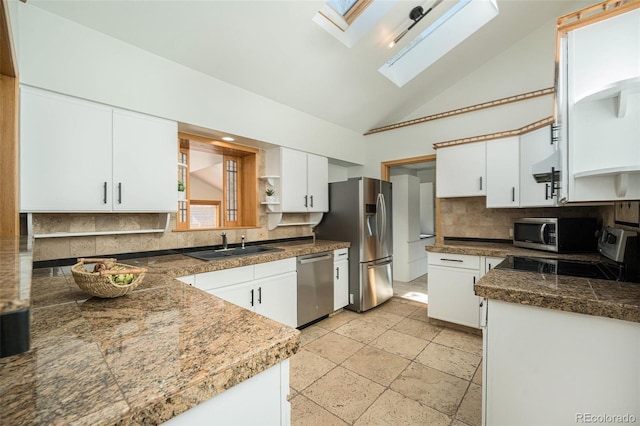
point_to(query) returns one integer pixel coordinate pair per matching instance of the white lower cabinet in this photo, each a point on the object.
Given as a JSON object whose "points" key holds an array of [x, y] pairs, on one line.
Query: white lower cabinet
{"points": [[269, 289], [275, 298], [488, 263], [265, 393], [452, 277], [340, 278], [549, 367]]}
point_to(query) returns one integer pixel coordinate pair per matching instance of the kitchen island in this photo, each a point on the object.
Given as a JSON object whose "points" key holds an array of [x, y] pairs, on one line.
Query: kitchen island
{"points": [[556, 349], [142, 358]]}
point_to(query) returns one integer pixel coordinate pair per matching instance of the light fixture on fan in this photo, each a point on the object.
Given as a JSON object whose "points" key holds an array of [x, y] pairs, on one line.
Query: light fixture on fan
{"points": [[416, 14]]}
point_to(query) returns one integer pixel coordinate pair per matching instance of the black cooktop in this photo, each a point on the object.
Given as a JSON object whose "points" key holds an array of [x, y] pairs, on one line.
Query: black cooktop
{"points": [[573, 268]]}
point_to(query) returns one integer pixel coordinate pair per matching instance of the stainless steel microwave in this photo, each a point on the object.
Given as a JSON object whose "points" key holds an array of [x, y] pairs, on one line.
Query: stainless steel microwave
{"points": [[560, 235]]}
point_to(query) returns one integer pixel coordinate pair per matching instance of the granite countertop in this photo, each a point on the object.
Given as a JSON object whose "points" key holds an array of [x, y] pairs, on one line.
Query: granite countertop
{"points": [[16, 260], [479, 248], [142, 358], [611, 299]]}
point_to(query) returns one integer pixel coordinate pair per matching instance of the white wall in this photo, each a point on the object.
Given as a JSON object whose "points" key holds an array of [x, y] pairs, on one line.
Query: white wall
{"points": [[60, 55], [526, 66]]}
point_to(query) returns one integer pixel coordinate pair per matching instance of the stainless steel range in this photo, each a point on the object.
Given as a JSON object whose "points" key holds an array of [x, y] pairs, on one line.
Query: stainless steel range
{"points": [[618, 246]]}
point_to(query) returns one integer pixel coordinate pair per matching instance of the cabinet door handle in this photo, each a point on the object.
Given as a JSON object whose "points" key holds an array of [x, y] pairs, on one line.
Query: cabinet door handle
{"points": [[554, 133], [474, 279], [489, 267], [480, 183], [311, 198], [251, 297], [260, 295], [337, 273], [450, 260], [553, 185], [546, 191], [305, 201], [104, 192], [119, 192], [513, 194]]}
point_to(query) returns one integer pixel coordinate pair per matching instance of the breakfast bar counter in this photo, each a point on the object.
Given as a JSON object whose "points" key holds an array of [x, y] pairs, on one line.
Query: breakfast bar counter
{"points": [[604, 298], [142, 358]]}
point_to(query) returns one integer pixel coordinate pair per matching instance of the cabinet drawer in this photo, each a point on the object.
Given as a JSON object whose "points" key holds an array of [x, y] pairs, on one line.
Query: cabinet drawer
{"points": [[454, 260], [342, 253], [224, 277], [268, 269]]}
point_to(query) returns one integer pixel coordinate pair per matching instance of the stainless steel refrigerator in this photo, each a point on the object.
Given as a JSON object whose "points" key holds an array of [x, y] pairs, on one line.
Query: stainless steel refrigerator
{"points": [[360, 212]]}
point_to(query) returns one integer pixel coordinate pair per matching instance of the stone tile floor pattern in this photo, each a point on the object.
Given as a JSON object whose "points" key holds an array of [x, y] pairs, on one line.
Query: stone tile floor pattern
{"points": [[387, 366]]}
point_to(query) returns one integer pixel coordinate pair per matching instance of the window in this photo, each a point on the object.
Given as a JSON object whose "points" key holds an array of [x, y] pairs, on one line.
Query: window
{"points": [[220, 182], [343, 12], [338, 18]]}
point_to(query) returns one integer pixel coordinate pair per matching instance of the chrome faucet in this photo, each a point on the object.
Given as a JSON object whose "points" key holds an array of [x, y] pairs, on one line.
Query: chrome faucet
{"points": [[225, 245], [243, 241]]}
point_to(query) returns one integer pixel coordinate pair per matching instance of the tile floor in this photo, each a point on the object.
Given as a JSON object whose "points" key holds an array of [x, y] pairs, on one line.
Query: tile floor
{"points": [[387, 366]]}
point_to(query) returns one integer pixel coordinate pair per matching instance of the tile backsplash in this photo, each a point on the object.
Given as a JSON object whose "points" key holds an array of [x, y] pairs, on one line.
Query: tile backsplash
{"points": [[469, 218], [88, 246]]}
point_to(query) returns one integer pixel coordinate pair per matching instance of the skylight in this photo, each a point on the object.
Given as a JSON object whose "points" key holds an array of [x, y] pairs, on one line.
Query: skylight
{"points": [[347, 28], [458, 23], [342, 6]]}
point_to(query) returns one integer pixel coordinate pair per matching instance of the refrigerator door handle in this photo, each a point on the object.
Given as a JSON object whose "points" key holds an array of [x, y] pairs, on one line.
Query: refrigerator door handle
{"points": [[380, 217], [379, 265]]}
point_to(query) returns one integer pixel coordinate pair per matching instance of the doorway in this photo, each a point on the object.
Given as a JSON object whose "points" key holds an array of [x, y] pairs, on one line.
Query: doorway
{"points": [[414, 222]]}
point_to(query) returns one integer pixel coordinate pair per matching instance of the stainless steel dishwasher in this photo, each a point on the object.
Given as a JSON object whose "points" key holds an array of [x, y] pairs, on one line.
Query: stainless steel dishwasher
{"points": [[315, 286]]}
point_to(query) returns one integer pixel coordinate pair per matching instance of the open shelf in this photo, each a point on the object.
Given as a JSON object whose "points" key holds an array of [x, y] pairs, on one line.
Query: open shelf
{"points": [[271, 179], [164, 225], [275, 220], [619, 174], [620, 90], [609, 171]]}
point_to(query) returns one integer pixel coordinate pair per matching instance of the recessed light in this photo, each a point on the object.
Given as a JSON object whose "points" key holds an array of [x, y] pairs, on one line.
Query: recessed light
{"points": [[228, 139]]}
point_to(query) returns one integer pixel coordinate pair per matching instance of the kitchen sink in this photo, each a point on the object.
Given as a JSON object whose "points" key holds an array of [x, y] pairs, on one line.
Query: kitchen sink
{"points": [[231, 252]]}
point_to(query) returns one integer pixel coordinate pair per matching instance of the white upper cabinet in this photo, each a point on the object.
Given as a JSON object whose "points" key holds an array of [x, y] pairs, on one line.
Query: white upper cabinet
{"points": [[535, 147], [603, 107], [461, 170], [144, 166], [318, 183], [79, 156], [304, 180], [65, 153], [503, 172]]}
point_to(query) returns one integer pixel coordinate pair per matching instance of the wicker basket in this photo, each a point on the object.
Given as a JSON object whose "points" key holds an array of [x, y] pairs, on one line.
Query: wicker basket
{"points": [[99, 283]]}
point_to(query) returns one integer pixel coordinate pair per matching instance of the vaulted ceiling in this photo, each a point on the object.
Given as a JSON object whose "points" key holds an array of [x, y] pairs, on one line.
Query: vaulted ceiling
{"points": [[274, 49]]}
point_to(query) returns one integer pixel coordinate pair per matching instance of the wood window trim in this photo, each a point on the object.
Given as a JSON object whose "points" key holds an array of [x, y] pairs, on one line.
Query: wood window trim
{"points": [[247, 158], [356, 10]]}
